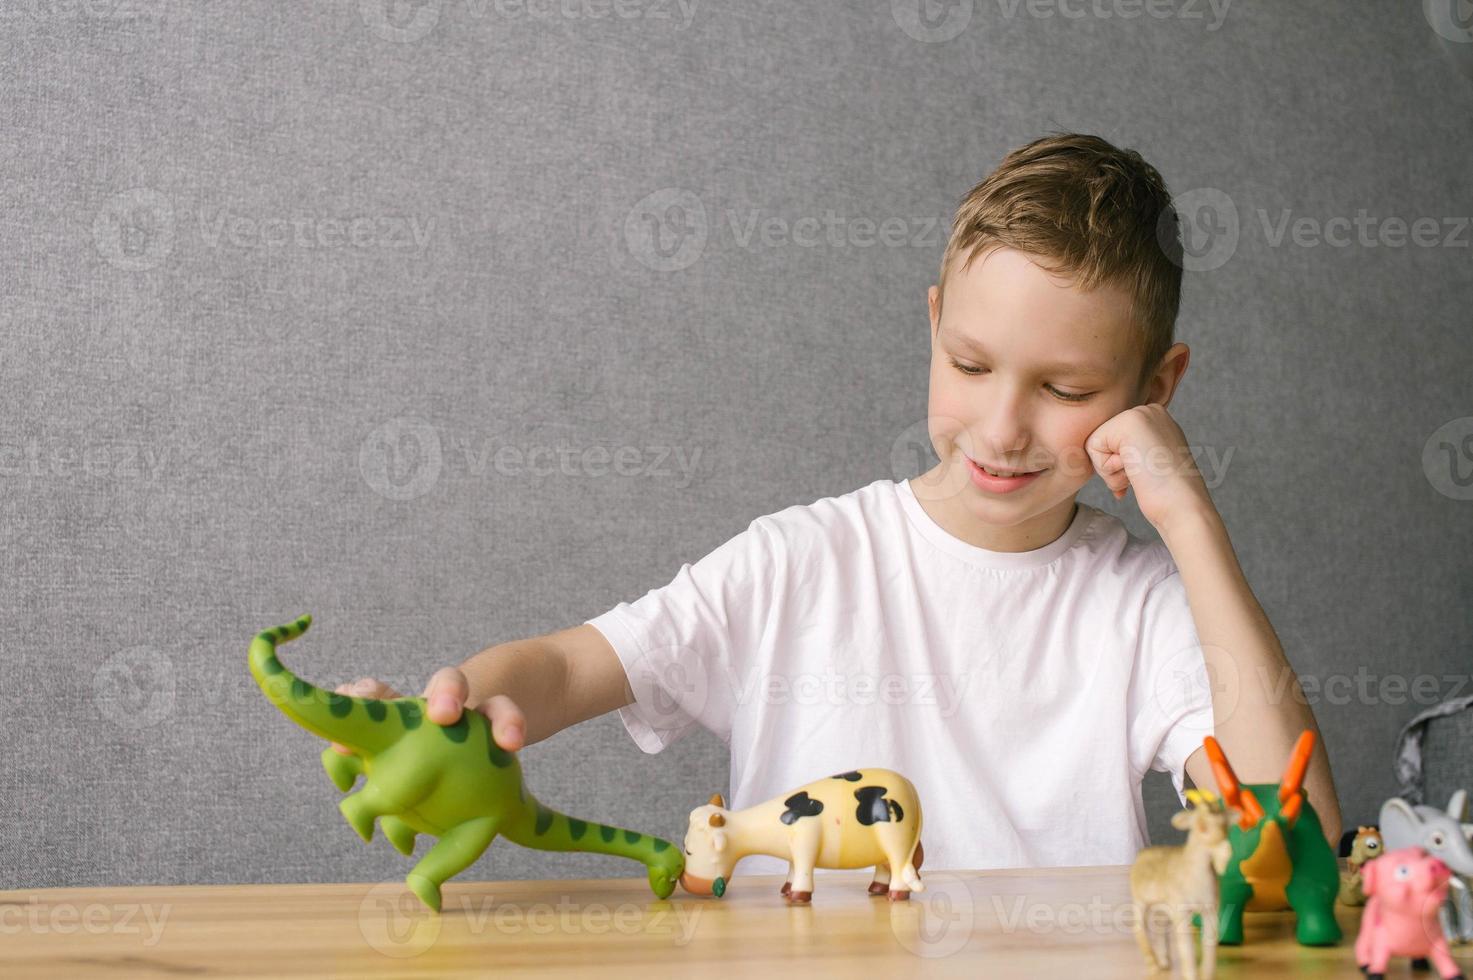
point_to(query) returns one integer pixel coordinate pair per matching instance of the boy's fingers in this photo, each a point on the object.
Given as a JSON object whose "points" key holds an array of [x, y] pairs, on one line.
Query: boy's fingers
{"points": [[445, 695], [508, 724]]}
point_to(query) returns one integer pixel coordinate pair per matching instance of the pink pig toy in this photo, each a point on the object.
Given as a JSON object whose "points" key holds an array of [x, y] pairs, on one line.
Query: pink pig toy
{"points": [[1404, 889]]}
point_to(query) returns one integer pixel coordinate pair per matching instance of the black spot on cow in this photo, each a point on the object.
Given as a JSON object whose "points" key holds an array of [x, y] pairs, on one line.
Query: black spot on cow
{"points": [[874, 808], [851, 776], [800, 805]]}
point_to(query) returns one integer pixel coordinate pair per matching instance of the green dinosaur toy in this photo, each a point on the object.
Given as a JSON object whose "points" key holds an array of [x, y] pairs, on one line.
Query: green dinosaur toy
{"points": [[451, 781], [1281, 859]]}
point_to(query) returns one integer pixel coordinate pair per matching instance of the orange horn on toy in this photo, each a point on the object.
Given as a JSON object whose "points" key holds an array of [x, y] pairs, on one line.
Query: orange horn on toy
{"points": [[1290, 797], [716, 800], [1298, 763], [1250, 811]]}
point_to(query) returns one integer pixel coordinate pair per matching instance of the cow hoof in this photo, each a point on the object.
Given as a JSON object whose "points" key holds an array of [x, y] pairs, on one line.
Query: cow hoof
{"points": [[787, 887], [799, 898], [878, 888], [900, 896]]}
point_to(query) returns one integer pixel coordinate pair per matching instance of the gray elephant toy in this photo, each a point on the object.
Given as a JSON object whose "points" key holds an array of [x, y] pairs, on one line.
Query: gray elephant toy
{"points": [[1444, 835]]}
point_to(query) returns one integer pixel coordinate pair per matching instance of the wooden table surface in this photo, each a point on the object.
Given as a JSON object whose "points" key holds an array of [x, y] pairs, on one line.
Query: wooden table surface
{"points": [[1065, 922]]}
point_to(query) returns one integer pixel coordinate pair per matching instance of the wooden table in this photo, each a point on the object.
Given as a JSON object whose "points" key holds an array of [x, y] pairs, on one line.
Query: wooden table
{"points": [[1064, 922]]}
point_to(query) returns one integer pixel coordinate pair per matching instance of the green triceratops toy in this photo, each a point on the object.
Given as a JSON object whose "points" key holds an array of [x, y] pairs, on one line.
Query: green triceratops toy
{"points": [[1281, 859], [451, 781]]}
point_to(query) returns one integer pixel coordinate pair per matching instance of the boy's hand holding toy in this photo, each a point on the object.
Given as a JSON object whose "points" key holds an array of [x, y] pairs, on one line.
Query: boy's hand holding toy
{"points": [[446, 695]]}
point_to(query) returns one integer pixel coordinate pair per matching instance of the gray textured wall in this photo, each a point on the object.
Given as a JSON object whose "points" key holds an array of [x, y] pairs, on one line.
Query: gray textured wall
{"points": [[295, 294]]}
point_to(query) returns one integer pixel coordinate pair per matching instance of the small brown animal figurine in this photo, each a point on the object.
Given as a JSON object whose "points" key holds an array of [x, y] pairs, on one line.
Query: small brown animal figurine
{"points": [[1367, 845], [1182, 882], [850, 820]]}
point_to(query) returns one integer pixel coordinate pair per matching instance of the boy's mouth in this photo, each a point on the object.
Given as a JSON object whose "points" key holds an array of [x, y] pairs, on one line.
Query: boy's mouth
{"points": [[1001, 471]]}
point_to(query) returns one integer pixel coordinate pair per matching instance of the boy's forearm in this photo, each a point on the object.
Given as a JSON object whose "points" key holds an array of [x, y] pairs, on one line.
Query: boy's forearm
{"points": [[530, 672], [1258, 707]]}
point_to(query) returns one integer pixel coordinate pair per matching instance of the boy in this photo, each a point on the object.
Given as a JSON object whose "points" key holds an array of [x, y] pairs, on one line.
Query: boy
{"points": [[1017, 655]]}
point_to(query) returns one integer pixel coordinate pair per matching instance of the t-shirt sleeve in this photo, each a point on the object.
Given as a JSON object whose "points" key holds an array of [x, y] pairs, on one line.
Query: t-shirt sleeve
{"points": [[1170, 694], [687, 647]]}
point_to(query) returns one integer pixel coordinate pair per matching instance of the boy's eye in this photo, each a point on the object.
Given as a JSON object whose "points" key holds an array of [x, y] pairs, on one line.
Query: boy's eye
{"points": [[1067, 396]]}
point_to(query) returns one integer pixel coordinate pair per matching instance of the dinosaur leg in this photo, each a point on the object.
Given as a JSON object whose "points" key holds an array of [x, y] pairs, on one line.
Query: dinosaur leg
{"points": [[343, 770], [365, 806], [1234, 896], [456, 850], [1314, 912], [399, 833]]}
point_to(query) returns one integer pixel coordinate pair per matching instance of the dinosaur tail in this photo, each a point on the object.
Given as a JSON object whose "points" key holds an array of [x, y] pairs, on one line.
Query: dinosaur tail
{"points": [[546, 829], [364, 725]]}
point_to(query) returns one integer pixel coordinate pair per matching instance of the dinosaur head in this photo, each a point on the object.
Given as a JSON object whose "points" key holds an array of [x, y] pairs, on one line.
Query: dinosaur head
{"points": [[709, 856]]}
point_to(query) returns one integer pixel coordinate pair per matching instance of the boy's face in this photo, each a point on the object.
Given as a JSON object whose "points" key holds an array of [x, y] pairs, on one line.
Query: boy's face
{"points": [[1024, 367]]}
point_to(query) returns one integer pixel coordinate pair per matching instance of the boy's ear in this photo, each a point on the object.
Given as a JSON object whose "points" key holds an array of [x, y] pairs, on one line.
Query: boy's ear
{"points": [[933, 304], [1164, 382]]}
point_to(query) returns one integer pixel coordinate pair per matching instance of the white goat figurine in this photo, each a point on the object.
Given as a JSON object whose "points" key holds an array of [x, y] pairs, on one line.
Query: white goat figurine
{"points": [[1182, 881]]}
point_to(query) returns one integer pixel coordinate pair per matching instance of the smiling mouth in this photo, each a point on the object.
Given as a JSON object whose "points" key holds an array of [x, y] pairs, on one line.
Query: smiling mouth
{"points": [[999, 472]]}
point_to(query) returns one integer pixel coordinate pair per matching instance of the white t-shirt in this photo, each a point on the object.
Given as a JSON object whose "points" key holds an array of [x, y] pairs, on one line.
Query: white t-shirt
{"points": [[1025, 694]]}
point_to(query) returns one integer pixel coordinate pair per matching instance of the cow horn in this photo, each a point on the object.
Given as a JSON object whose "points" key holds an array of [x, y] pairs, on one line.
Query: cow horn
{"points": [[716, 800], [717, 820], [1298, 763], [1250, 811]]}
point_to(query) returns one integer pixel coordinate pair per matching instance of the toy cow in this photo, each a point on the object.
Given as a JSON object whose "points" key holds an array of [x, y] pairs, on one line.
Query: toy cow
{"points": [[849, 820], [1404, 890], [1281, 859]]}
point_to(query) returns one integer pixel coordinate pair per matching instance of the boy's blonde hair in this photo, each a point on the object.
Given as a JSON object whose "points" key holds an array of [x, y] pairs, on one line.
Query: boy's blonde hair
{"points": [[1095, 213]]}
